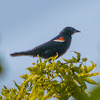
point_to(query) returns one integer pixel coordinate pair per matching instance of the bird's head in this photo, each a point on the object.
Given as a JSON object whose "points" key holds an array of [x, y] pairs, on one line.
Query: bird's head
{"points": [[69, 30]]}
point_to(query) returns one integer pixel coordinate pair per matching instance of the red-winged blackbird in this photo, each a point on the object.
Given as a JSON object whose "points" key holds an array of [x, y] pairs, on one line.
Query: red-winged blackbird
{"points": [[59, 44]]}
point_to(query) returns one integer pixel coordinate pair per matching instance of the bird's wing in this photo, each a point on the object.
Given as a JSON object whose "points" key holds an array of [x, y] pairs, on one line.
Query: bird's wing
{"points": [[49, 48], [57, 41]]}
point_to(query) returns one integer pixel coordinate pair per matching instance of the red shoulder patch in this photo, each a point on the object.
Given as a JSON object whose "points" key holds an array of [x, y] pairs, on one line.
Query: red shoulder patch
{"points": [[60, 38]]}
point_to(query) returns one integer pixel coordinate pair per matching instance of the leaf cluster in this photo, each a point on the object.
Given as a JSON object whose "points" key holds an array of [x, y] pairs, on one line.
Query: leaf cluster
{"points": [[53, 80]]}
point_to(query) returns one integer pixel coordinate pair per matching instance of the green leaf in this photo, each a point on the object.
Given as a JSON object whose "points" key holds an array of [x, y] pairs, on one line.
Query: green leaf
{"points": [[17, 85], [90, 68], [77, 69], [95, 94], [48, 95], [25, 76], [81, 82], [90, 81], [84, 59], [1, 98], [78, 55], [73, 60], [93, 74]]}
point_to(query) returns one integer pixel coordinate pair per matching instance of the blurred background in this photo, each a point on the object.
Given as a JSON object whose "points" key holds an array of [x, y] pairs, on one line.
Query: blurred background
{"points": [[25, 24]]}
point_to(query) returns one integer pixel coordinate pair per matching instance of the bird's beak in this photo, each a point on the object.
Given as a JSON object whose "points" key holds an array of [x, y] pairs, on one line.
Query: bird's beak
{"points": [[77, 31]]}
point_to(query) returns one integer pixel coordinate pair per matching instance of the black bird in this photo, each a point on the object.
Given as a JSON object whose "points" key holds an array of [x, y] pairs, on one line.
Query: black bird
{"points": [[59, 44]]}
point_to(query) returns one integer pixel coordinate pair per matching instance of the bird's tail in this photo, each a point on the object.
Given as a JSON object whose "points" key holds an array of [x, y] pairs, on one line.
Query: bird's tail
{"points": [[24, 53]]}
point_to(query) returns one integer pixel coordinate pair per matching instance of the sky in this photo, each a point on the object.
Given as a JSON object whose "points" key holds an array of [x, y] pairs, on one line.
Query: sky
{"points": [[25, 24]]}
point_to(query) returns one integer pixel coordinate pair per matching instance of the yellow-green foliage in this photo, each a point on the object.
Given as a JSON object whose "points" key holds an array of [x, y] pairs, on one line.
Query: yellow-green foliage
{"points": [[95, 95], [53, 80], [0, 69]]}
